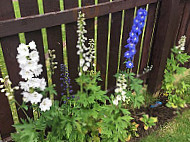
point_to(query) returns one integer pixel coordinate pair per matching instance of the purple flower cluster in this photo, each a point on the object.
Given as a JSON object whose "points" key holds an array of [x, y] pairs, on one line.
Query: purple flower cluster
{"points": [[138, 25], [66, 81]]}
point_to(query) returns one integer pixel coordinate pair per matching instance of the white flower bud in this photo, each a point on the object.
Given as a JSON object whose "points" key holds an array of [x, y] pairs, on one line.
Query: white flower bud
{"points": [[1, 80], [3, 90], [16, 87], [7, 94]]}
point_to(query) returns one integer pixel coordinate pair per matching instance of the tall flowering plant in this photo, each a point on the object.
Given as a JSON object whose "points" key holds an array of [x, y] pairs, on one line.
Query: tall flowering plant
{"points": [[129, 87], [33, 85]]}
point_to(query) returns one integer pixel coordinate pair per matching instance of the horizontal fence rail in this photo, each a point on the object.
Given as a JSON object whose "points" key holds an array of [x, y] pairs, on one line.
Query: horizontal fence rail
{"points": [[32, 23]]}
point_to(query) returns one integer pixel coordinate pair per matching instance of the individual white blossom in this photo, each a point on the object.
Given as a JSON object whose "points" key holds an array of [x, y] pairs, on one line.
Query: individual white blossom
{"points": [[26, 74], [34, 56], [23, 49], [24, 86], [45, 104], [32, 45], [35, 98], [26, 96], [42, 84], [115, 102], [118, 97]]}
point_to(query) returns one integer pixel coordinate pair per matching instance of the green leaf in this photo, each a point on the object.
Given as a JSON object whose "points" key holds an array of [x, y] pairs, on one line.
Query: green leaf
{"points": [[68, 129]]}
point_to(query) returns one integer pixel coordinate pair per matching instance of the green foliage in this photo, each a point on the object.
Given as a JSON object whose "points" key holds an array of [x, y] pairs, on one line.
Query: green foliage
{"points": [[133, 90], [148, 121], [173, 68], [175, 101], [115, 124], [89, 104], [27, 131]]}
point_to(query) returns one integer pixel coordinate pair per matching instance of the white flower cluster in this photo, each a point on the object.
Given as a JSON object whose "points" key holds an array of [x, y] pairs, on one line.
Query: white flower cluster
{"points": [[181, 43], [87, 54], [28, 58], [121, 85]]}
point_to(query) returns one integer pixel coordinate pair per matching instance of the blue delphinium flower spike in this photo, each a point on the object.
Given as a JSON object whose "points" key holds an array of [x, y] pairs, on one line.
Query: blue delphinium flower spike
{"points": [[66, 82], [138, 25]]}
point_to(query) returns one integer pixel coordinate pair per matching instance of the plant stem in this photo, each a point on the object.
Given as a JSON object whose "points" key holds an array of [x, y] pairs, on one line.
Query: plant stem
{"points": [[23, 110]]}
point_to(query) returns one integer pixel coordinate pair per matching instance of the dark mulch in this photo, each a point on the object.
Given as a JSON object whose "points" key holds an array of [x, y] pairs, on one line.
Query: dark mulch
{"points": [[163, 113]]}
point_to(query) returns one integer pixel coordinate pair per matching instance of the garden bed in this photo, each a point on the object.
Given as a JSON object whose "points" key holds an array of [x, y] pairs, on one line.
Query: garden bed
{"points": [[163, 113]]}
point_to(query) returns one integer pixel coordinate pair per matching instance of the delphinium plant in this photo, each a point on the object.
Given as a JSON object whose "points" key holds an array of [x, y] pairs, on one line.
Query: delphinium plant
{"points": [[116, 125], [133, 86], [34, 92], [176, 92]]}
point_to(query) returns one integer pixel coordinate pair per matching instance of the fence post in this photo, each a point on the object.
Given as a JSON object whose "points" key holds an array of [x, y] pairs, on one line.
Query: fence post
{"points": [[167, 26]]}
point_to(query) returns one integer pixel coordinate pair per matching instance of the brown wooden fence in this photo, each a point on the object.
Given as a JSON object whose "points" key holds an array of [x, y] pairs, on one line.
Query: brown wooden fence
{"points": [[165, 18]]}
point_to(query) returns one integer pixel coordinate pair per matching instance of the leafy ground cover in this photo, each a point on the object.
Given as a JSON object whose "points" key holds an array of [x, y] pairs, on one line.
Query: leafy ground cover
{"points": [[168, 128]]}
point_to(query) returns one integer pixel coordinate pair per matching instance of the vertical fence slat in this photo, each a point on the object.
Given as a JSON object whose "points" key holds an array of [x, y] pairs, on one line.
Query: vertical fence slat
{"points": [[71, 41], [102, 39], [9, 47], [114, 48], [164, 39], [29, 8], [55, 42], [6, 119], [148, 36], [128, 22]]}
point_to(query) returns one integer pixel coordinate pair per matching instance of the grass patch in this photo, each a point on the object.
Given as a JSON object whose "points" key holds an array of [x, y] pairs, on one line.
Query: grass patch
{"points": [[176, 131]]}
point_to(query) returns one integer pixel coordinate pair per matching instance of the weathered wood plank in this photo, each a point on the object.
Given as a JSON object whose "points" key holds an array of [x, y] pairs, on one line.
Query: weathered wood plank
{"points": [[71, 41], [9, 47], [114, 47], [102, 39], [55, 42], [6, 119], [32, 23], [164, 40], [148, 36]]}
